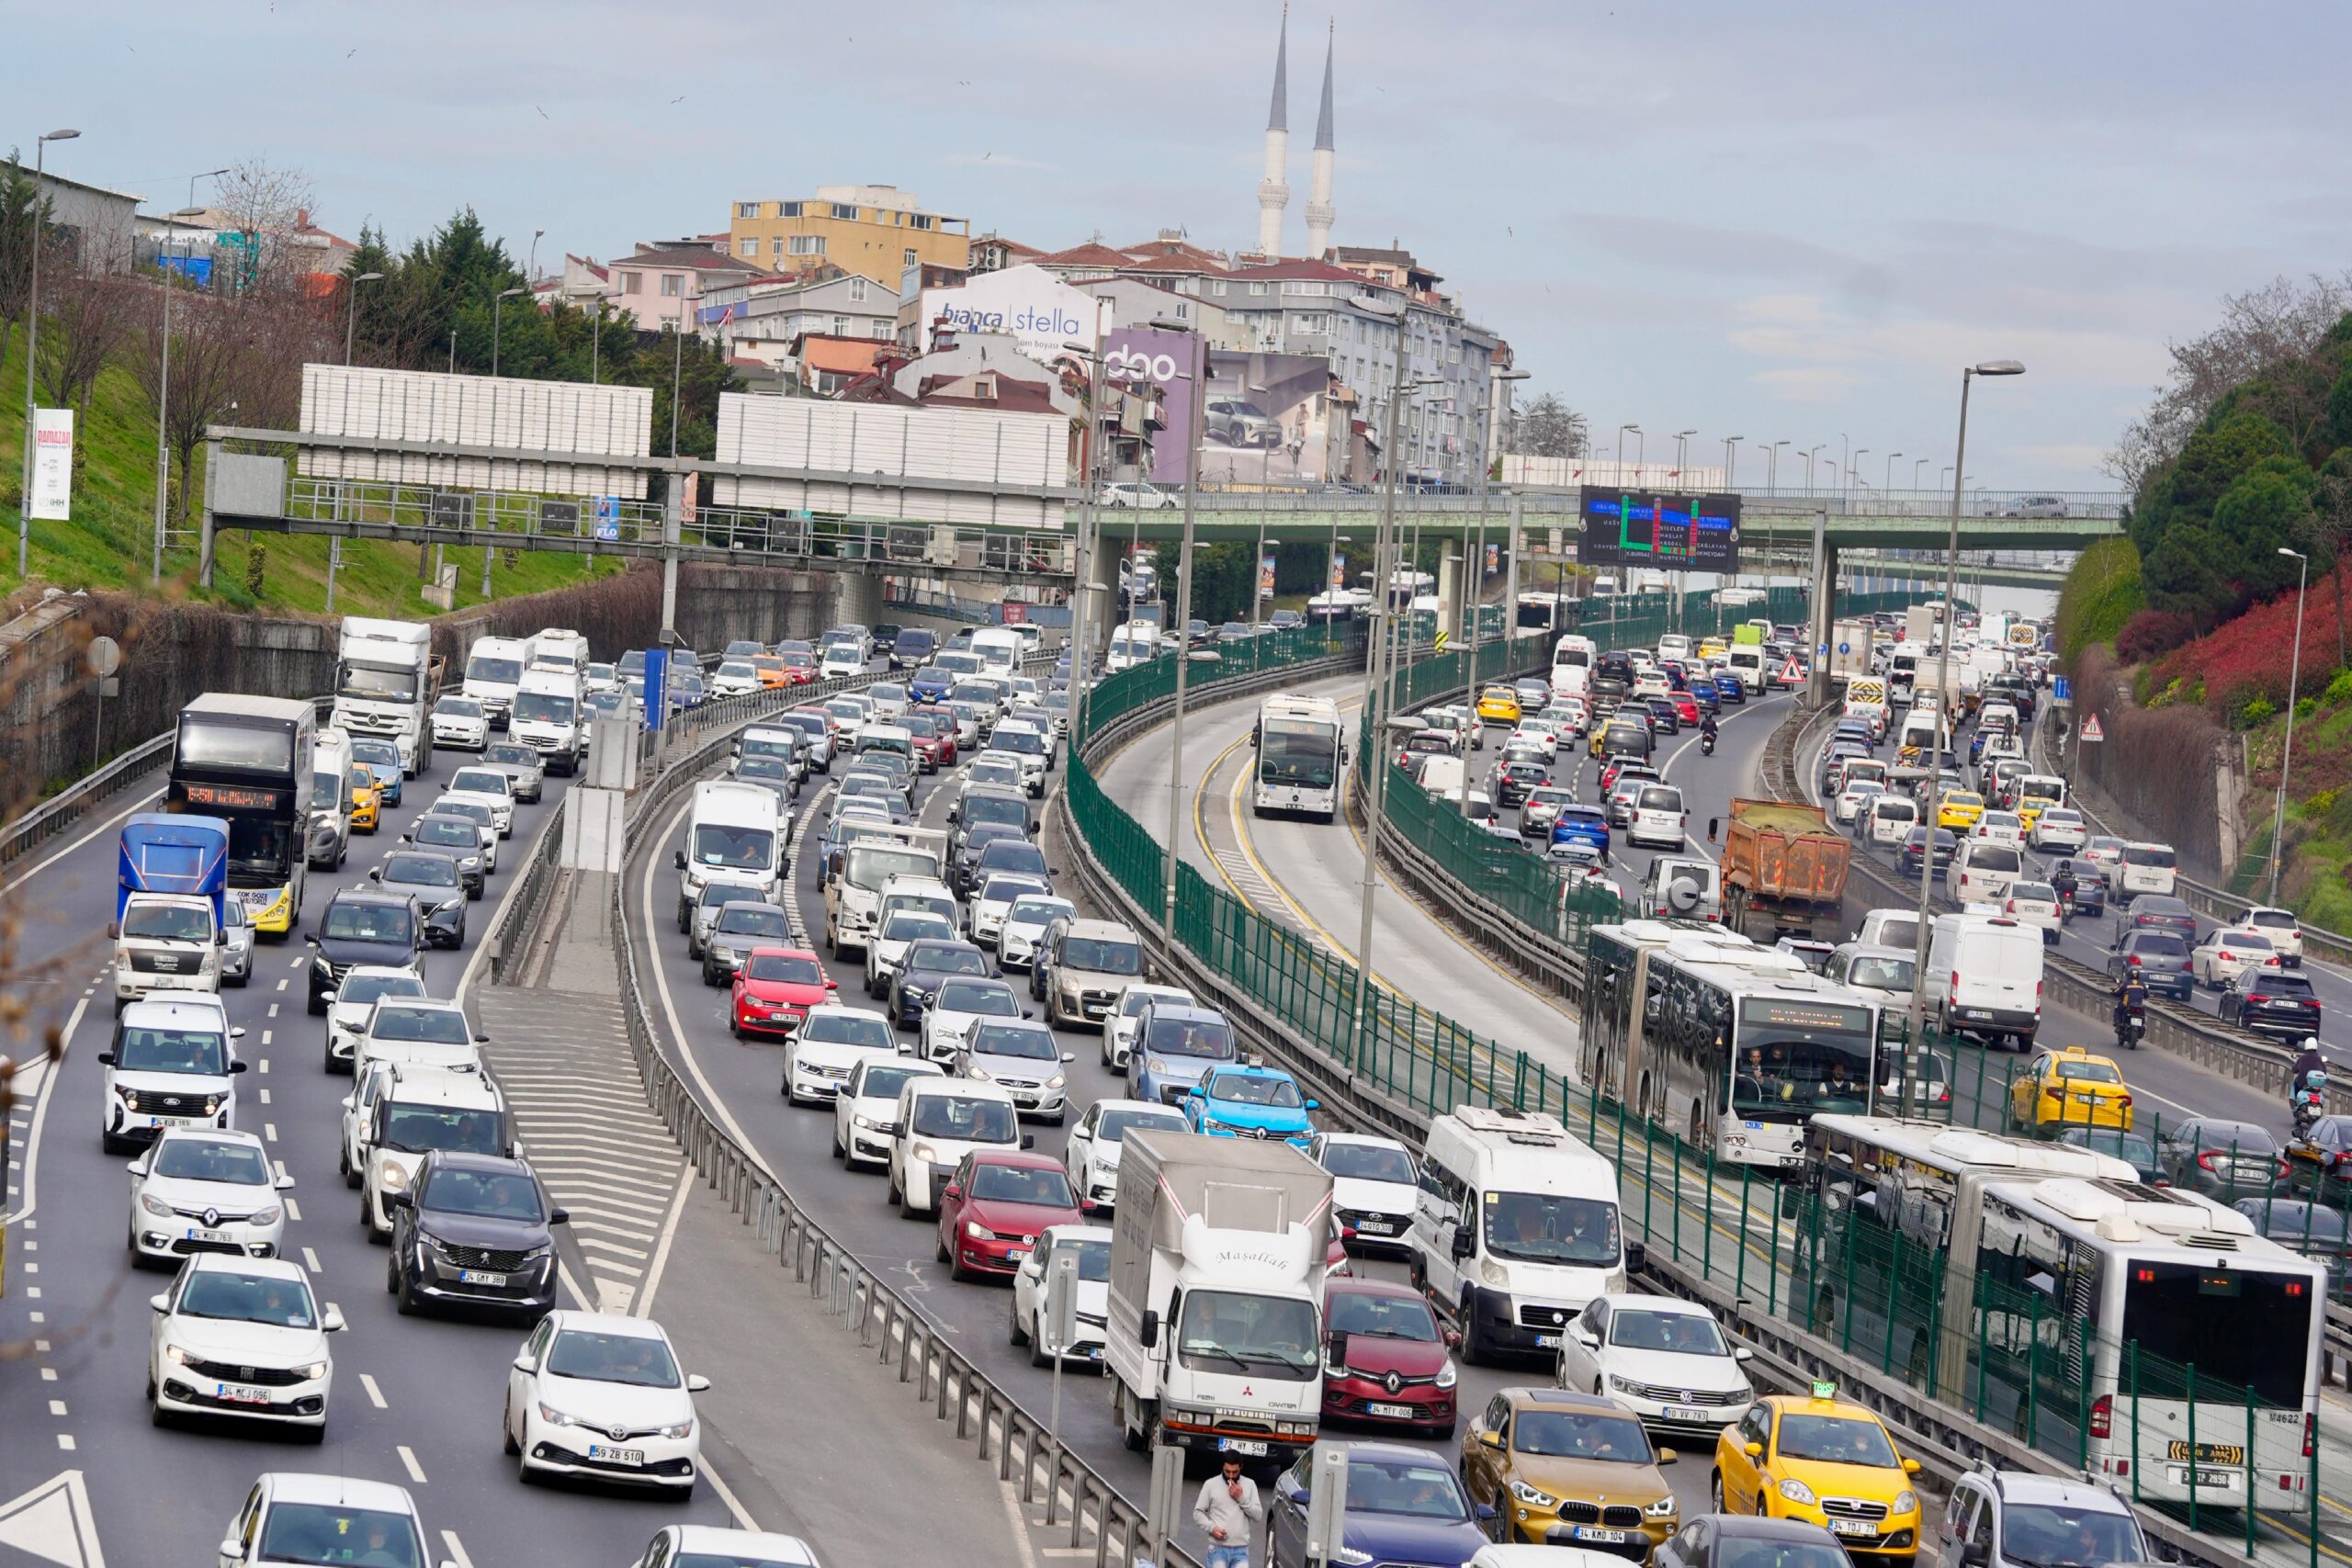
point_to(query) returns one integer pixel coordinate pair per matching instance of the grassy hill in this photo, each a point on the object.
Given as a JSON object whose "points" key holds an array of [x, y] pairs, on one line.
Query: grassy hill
{"points": [[108, 541]]}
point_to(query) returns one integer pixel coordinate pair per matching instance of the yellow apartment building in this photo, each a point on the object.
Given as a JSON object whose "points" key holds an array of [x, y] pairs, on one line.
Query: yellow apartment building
{"points": [[876, 231]]}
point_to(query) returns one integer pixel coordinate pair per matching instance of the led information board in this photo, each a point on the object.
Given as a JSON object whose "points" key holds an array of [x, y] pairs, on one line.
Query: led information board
{"points": [[1669, 531]]}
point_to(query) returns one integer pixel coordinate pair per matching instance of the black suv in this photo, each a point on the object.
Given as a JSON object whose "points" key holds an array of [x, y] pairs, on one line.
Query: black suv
{"points": [[472, 1230], [928, 962], [2271, 1001], [362, 927]]}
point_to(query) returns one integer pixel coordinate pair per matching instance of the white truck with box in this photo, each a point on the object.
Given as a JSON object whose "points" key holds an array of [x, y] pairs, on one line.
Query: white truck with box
{"points": [[854, 898], [1215, 1341], [385, 685]]}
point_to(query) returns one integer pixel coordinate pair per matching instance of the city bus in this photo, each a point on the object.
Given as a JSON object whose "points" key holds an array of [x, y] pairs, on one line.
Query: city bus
{"points": [[1301, 748], [1542, 613], [1732, 1046], [247, 760]]}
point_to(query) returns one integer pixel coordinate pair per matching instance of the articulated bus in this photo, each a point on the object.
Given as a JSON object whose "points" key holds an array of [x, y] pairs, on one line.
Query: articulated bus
{"points": [[247, 760], [1734, 1046], [1301, 750]]}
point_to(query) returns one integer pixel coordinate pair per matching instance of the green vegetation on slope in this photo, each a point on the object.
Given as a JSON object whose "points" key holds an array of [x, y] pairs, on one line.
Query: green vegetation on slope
{"points": [[2101, 592]]}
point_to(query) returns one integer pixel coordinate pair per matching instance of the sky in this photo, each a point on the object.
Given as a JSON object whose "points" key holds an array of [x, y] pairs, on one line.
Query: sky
{"points": [[1782, 222]]}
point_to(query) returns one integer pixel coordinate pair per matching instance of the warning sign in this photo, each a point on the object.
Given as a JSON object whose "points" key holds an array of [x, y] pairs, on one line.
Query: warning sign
{"points": [[1792, 672], [2091, 731]]}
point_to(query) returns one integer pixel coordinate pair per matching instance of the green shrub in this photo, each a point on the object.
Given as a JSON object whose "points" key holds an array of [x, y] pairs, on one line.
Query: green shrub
{"points": [[2305, 707], [2255, 713], [256, 567], [2101, 592], [2340, 689]]}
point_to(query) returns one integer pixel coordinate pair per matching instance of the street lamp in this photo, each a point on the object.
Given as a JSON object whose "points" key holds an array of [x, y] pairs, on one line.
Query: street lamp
{"points": [[1916, 479], [1496, 380], [1729, 443], [1808, 465], [1854, 462], [1681, 450], [1620, 449], [1890, 468], [497, 315], [1772, 467], [1085, 560], [163, 389], [2294, 678], [1942, 734], [32, 343], [351, 307]]}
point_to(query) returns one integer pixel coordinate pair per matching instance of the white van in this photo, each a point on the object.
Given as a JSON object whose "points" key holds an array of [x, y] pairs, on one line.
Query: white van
{"points": [[1000, 649], [171, 1064], [560, 651], [2147, 868], [1983, 870], [1443, 776], [1657, 818], [939, 1120], [735, 833], [547, 717], [330, 801], [1890, 928], [1674, 646], [1985, 976], [1745, 661], [1516, 1228], [1133, 643], [495, 667], [1892, 818]]}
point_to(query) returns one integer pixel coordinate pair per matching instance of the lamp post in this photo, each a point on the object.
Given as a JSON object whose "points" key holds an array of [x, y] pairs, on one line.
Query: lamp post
{"points": [[2294, 679], [1851, 464], [351, 307], [1772, 467], [1943, 733], [1917, 478], [497, 324], [1199, 375], [162, 394], [1081, 662], [1681, 450], [1890, 468], [1809, 458], [1621, 449], [1496, 379], [32, 343]]}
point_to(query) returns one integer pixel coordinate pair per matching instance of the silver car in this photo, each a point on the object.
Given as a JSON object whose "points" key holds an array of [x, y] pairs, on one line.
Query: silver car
{"points": [[237, 957], [525, 770]]}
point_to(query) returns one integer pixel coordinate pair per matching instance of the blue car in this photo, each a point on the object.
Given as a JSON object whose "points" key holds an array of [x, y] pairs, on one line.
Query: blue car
{"points": [[930, 684], [382, 761], [1176, 1044], [1404, 1504], [1586, 823], [1704, 692], [1249, 1102]]}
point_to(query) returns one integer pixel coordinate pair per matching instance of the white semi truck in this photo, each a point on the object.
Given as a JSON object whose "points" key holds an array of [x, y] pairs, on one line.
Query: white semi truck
{"points": [[1215, 1338], [386, 681]]}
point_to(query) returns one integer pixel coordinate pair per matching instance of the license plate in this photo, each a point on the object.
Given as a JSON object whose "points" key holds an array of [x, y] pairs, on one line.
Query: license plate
{"points": [[1689, 1417], [1402, 1412], [2226, 1480], [1375, 1227], [239, 1393], [1016, 1253], [616, 1456], [175, 1121], [195, 1234], [1547, 1341], [1605, 1538], [1852, 1527], [1254, 1446], [480, 1276]]}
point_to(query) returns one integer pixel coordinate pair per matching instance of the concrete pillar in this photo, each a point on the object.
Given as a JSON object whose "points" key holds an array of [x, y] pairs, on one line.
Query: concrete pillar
{"points": [[1449, 592], [205, 540], [1510, 573], [857, 598], [1822, 612], [670, 562]]}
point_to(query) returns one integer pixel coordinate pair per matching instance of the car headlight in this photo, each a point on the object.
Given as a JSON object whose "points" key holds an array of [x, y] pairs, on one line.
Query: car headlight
{"points": [[1905, 1502], [724, 955], [979, 1074], [924, 1152], [1663, 1509], [154, 1205], [1155, 1065], [128, 1095], [682, 1429], [1533, 1497], [211, 1104], [176, 1355], [1056, 1081], [1796, 1491], [552, 1416], [312, 1372], [1624, 1385], [269, 1214], [863, 1122], [1351, 1556], [1449, 1377], [321, 966], [978, 1231], [395, 1176]]}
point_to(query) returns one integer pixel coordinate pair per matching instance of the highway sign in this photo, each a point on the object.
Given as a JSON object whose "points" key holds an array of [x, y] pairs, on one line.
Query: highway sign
{"points": [[2091, 730], [1792, 671], [1845, 647], [2061, 690], [1823, 651]]}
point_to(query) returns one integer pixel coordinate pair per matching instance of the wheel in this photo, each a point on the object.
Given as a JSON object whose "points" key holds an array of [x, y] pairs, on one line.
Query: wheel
{"points": [[507, 1433], [840, 1151], [1715, 1491], [392, 1275], [317, 1005], [940, 1248], [1474, 1347], [404, 1300], [156, 1415], [112, 1145], [894, 1197], [735, 1025], [1504, 1529], [1020, 1334], [343, 1164]]}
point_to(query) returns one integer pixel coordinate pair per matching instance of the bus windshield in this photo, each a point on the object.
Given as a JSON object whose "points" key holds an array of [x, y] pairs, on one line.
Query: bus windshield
{"points": [[1298, 751], [1796, 1058], [265, 750], [2243, 1327]]}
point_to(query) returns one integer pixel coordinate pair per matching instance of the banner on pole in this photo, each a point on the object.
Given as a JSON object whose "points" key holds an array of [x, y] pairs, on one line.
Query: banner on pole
{"points": [[1339, 571], [1494, 560], [1265, 577], [53, 496]]}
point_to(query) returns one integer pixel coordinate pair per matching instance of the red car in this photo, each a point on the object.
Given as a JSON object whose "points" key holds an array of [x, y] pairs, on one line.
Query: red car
{"points": [[935, 740], [1686, 707], [800, 669], [1394, 1363], [774, 989], [995, 1204]]}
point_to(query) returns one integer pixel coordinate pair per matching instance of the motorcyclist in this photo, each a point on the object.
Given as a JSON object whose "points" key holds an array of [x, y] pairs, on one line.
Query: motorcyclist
{"points": [[2062, 882], [2301, 1082], [2131, 998], [1707, 731]]}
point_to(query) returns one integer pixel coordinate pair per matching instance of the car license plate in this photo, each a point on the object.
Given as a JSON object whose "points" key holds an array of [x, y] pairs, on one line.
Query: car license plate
{"points": [[612, 1455], [1401, 1412], [239, 1393], [1547, 1341], [1253, 1447], [1016, 1253], [480, 1276], [1689, 1417], [197, 1233], [1599, 1536], [1852, 1527], [175, 1121], [2207, 1475], [1375, 1227]]}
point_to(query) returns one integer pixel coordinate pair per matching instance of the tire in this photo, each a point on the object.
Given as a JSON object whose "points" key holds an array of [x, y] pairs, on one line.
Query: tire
{"points": [[1715, 1491], [840, 1153], [894, 1197], [940, 1248], [1020, 1334], [1473, 1349], [156, 1415], [506, 1434], [404, 1300], [391, 1275], [317, 1005], [112, 1145], [343, 1164]]}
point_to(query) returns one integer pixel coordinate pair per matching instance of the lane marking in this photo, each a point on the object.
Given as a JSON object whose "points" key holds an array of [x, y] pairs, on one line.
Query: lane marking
{"points": [[375, 1394], [727, 1495], [293, 1211], [457, 1549], [310, 1261], [662, 1249], [408, 1458], [50, 1074]]}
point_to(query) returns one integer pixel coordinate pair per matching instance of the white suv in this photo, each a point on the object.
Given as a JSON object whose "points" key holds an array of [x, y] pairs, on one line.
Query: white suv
{"points": [[424, 1109], [171, 1064]]}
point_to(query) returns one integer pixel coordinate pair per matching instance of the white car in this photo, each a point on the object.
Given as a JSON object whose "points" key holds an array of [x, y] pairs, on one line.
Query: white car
{"points": [[1021, 1055], [166, 944], [1031, 1328], [1855, 799], [362, 986], [867, 1105], [1119, 1027], [1892, 818], [358, 1116], [2058, 828], [494, 786], [723, 1543], [500, 807], [292, 1517], [2034, 904], [1091, 1156], [824, 1052], [1999, 828], [171, 1064], [1024, 926], [961, 1001], [419, 1032], [1657, 817], [1633, 1347], [1034, 759], [734, 678], [203, 1190], [461, 722], [2224, 953], [901, 928], [242, 1337], [1374, 1181], [841, 662], [2280, 926], [1000, 770], [935, 1125], [1544, 741], [992, 901], [1137, 493], [601, 1395]]}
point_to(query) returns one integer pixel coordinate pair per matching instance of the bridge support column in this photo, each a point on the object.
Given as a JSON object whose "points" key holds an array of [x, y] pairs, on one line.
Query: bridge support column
{"points": [[1448, 594], [857, 598], [670, 563], [1510, 573], [1821, 616], [207, 539]]}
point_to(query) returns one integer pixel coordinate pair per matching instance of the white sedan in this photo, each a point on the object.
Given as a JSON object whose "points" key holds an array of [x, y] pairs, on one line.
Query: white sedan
{"points": [[1999, 828], [1855, 799], [2224, 953], [201, 1190], [601, 1395], [1119, 1028], [827, 1048], [1032, 1327], [1091, 1156], [960, 1002], [353, 999], [1545, 740], [242, 1337], [2034, 904], [461, 722], [840, 662], [1024, 926], [1374, 1181], [2058, 828], [1633, 1347]]}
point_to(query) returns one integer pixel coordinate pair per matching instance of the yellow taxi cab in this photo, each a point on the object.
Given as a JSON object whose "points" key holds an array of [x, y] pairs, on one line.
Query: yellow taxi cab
{"points": [[367, 801], [2069, 1088], [1499, 704], [1826, 1461], [1712, 648], [1960, 808]]}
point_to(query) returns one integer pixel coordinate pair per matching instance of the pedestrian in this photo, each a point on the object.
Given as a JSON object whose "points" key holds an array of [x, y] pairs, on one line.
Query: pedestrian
{"points": [[1230, 1512]]}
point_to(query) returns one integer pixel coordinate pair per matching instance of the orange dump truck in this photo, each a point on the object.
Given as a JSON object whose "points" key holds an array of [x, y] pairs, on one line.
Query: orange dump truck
{"points": [[1783, 870]]}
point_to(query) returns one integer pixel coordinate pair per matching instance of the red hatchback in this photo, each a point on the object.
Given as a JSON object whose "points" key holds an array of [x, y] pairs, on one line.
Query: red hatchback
{"points": [[995, 1206], [774, 989], [1386, 1363], [934, 738], [1686, 706]]}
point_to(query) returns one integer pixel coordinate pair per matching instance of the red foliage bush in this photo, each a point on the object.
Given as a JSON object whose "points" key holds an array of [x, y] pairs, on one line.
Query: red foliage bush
{"points": [[2150, 633], [2251, 655]]}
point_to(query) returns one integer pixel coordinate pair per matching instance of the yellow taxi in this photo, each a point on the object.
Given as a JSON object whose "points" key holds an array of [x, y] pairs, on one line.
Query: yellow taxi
{"points": [[1826, 1461], [2069, 1088], [1499, 704], [1712, 648], [1959, 809], [367, 801]]}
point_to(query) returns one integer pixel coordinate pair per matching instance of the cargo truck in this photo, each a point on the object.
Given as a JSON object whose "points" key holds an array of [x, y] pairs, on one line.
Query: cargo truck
{"points": [[1215, 1335], [386, 681], [1783, 870]]}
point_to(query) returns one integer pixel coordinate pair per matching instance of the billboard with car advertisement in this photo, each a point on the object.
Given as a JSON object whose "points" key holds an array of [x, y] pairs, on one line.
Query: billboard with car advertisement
{"points": [[1164, 358], [1268, 420]]}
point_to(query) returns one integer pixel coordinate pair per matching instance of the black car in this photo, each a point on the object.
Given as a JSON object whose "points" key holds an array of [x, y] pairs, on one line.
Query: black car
{"points": [[1915, 847], [885, 638], [452, 835], [912, 647], [2159, 957], [975, 838], [472, 1230], [743, 925], [1009, 852], [1665, 717], [2271, 1001], [2315, 1230], [2160, 911], [1733, 1541], [988, 808], [776, 776], [2221, 1157], [1511, 782], [432, 878], [928, 962], [361, 926]]}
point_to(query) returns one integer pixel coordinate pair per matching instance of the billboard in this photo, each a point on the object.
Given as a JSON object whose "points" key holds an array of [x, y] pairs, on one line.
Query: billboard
{"points": [[1270, 420], [1028, 304], [53, 496], [1661, 529], [1145, 353]]}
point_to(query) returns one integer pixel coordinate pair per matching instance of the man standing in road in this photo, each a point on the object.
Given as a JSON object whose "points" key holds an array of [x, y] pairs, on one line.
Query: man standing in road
{"points": [[1230, 1512]]}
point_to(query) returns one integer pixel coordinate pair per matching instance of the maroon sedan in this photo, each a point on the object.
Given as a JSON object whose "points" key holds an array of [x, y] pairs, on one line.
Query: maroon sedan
{"points": [[994, 1206], [934, 738], [1386, 1361]]}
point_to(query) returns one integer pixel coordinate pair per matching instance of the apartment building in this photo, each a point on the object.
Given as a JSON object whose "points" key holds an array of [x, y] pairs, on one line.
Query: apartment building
{"points": [[877, 231]]}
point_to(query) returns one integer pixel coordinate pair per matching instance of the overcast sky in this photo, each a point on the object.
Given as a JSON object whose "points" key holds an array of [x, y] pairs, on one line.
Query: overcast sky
{"points": [[1761, 221]]}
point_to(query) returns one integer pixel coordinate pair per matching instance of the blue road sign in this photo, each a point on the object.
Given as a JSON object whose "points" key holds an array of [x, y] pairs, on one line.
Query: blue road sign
{"points": [[2062, 689], [1845, 647], [609, 517], [657, 686]]}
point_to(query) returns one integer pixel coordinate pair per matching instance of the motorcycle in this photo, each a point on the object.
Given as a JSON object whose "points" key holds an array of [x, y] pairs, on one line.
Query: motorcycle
{"points": [[2066, 906], [1706, 745], [2131, 1026], [2308, 1101]]}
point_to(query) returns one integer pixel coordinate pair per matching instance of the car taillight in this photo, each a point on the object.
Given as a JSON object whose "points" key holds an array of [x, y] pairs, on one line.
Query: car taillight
{"points": [[2228, 958], [2103, 1417], [2135, 961], [2206, 1159]]}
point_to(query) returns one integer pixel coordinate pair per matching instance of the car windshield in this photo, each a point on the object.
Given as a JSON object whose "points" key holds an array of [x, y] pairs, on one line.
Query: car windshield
{"points": [[907, 925], [363, 989], [1368, 1162], [995, 808], [2130, 1147], [481, 781], [169, 922], [732, 847], [210, 1159], [1026, 1043], [1011, 853], [1835, 1440], [1888, 974], [230, 1297], [752, 919], [1380, 1316], [421, 871], [1114, 1124], [542, 707], [1038, 911], [2236, 1137], [2253, 941], [1605, 1436], [323, 1533], [2045, 1535], [453, 831], [1741, 1551], [1102, 956], [1207, 1038], [945, 960], [491, 1195], [419, 1129], [1023, 1184], [1415, 1489], [990, 1000], [793, 968], [352, 921], [2084, 1071], [1549, 1227], [439, 1026], [638, 1360], [1256, 1088], [865, 1029], [1677, 1333], [2294, 1224], [380, 752], [2156, 943], [457, 708], [2152, 855], [143, 1049], [970, 1121]]}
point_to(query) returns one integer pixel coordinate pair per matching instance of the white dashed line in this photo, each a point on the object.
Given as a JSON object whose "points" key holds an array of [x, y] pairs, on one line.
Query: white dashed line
{"points": [[281, 985], [269, 1132], [49, 1374], [273, 1009], [66, 1441], [310, 1261], [293, 1212], [415, 1470], [375, 1394], [265, 1097], [57, 1407], [458, 1549]]}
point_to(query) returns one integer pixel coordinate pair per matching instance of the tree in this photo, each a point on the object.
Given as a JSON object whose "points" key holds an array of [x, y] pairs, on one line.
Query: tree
{"points": [[89, 305], [1549, 428], [265, 204], [24, 212]]}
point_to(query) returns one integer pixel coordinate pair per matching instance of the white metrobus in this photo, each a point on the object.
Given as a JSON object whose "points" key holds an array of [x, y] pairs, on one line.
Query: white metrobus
{"points": [[1301, 750]]}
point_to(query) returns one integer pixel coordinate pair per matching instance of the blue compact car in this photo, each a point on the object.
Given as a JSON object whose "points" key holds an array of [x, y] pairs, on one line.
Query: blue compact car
{"points": [[382, 761], [1404, 1504], [1248, 1102], [1586, 824]]}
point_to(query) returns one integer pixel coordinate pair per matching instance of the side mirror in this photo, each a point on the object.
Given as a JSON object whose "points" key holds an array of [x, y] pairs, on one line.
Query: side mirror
{"points": [[1196, 1092], [1910, 1467], [697, 1384], [139, 1165], [106, 1058], [1637, 1257], [231, 1552], [952, 1190], [1028, 1140], [1753, 1450], [1147, 1329], [221, 937], [328, 997], [309, 940], [1464, 1242], [480, 1039], [678, 858], [236, 1066], [1491, 1439], [1067, 1057], [396, 1200], [523, 1364], [1032, 1012], [829, 985], [160, 1302], [1975, 1554], [286, 1184], [1315, 1105], [330, 1321], [1588, 1339], [1743, 1354]]}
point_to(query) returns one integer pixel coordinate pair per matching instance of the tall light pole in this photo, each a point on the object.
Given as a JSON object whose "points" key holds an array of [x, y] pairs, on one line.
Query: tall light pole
{"points": [[1729, 443], [531, 271], [1913, 1041], [2294, 680], [1918, 480], [351, 306], [32, 343], [1621, 449], [164, 392], [1860, 452], [1090, 547], [1199, 375], [1496, 379], [1681, 450], [1809, 458], [497, 325], [1772, 467], [1890, 468]]}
